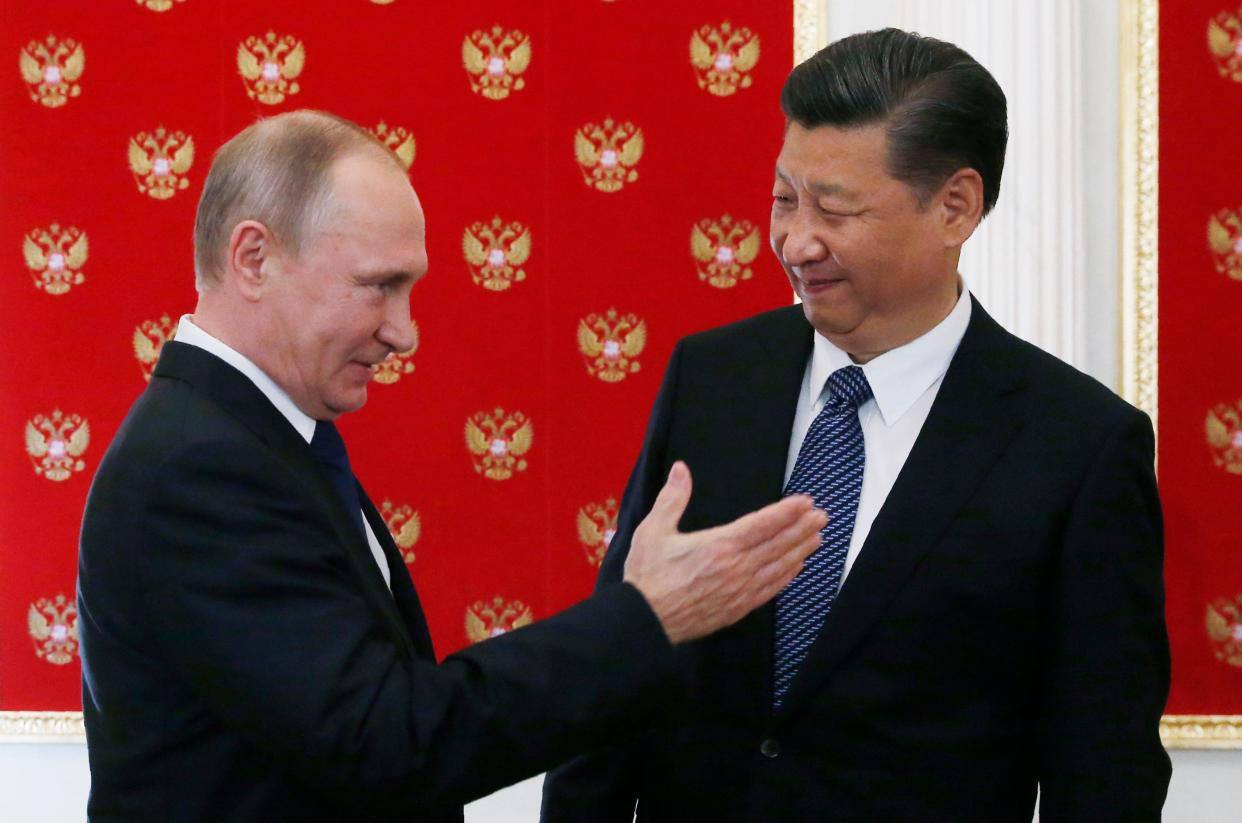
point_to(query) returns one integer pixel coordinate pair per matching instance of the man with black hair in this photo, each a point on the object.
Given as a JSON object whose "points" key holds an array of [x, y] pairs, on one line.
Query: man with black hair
{"points": [[984, 616]]}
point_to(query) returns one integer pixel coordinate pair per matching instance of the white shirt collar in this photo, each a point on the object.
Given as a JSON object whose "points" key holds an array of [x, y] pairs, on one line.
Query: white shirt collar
{"points": [[191, 334], [898, 377]]}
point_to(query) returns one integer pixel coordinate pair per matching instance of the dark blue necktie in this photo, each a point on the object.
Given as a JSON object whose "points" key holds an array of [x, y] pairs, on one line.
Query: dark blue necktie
{"points": [[329, 450], [829, 468]]}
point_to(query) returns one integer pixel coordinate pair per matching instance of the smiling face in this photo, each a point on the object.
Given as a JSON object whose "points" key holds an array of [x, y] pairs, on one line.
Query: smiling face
{"points": [[873, 266], [342, 303]]}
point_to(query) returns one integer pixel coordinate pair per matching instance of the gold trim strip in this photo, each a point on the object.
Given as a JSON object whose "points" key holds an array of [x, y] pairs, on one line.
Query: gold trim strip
{"points": [[42, 727], [1201, 731], [808, 16], [1140, 118]]}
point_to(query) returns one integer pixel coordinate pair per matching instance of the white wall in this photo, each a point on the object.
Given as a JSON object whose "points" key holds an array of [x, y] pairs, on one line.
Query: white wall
{"points": [[47, 783]]}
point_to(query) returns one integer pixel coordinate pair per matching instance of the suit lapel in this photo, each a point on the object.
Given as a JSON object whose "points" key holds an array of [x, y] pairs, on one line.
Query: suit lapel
{"points": [[404, 595], [970, 423], [240, 398]]}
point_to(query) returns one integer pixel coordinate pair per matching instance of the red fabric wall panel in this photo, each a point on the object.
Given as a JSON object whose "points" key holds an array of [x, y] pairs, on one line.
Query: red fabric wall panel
{"points": [[150, 64], [1200, 392]]}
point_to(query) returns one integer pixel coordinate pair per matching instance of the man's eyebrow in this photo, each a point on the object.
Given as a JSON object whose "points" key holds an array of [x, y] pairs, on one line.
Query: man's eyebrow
{"points": [[821, 189]]}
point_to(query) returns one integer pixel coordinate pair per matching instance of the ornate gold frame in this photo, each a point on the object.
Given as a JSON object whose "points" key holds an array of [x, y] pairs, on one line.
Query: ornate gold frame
{"points": [[1140, 165]]}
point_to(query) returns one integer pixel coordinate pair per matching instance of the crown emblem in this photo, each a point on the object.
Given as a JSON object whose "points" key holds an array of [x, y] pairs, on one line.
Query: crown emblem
{"points": [[391, 368], [611, 343], [497, 441], [269, 66], [484, 620], [495, 60], [1224, 436], [51, 69], [159, 161], [1224, 36], [53, 626], [158, 5], [56, 442], [1224, 235], [597, 523], [494, 251], [55, 257], [723, 250], [723, 57], [149, 340], [404, 525], [398, 140], [1224, 628], [607, 154]]}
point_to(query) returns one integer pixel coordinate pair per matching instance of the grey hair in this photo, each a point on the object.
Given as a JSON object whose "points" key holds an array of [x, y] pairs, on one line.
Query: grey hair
{"points": [[277, 172]]}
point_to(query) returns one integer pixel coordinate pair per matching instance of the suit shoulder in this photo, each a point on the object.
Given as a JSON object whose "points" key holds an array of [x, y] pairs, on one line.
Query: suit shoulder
{"points": [[1055, 384]]}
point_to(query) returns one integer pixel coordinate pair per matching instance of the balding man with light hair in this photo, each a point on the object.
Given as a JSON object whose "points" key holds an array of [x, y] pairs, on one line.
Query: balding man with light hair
{"points": [[253, 649]]}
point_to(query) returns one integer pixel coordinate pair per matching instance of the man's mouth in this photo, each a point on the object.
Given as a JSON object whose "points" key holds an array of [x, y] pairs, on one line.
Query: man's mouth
{"points": [[815, 283]]}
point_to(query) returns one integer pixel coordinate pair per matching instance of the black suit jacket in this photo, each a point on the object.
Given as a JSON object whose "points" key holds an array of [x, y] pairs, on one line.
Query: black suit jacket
{"points": [[243, 660], [1002, 626]]}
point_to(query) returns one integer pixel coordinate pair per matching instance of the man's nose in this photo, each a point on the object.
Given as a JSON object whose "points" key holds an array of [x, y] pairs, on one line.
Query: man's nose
{"points": [[398, 332], [802, 242]]}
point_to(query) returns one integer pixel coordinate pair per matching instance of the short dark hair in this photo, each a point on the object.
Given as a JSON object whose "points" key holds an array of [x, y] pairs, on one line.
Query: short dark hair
{"points": [[942, 111]]}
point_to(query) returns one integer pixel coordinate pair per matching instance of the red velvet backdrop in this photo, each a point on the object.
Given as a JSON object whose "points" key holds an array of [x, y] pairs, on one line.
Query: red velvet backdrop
{"points": [[1200, 392], [550, 336]]}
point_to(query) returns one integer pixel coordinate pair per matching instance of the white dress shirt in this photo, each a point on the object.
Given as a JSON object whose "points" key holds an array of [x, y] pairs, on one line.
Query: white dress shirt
{"points": [[303, 423], [904, 382]]}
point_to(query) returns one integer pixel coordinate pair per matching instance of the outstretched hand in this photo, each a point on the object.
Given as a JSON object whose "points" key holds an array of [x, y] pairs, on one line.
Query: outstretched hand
{"points": [[699, 582]]}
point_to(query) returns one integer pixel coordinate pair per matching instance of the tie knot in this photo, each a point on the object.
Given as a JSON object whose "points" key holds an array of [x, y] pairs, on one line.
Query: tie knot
{"points": [[327, 445], [848, 385]]}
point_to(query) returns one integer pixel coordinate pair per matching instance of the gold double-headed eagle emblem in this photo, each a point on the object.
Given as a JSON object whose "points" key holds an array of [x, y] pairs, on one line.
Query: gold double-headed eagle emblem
{"points": [[398, 140], [394, 366], [1224, 436], [495, 251], [608, 153], [404, 525], [610, 343], [159, 161], [51, 69], [492, 619], [158, 5], [724, 249], [1224, 39], [722, 57], [56, 443], [497, 441], [1224, 628], [270, 65], [53, 626], [1224, 235], [55, 257], [149, 339], [495, 61], [597, 523]]}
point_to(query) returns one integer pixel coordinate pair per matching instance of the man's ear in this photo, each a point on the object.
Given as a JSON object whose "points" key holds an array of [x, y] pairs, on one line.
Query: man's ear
{"points": [[960, 201], [251, 249]]}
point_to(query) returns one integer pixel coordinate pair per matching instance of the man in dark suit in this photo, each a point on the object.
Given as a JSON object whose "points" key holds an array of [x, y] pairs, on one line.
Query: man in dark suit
{"points": [[253, 649], [985, 614]]}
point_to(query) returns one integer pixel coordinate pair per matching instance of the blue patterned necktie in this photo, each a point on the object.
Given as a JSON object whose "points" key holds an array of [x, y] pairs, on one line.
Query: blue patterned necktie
{"points": [[829, 468], [329, 451]]}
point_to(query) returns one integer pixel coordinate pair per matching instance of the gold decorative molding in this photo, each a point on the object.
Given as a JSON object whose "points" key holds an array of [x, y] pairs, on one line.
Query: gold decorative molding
{"points": [[1140, 118], [42, 727], [808, 27], [1201, 731]]}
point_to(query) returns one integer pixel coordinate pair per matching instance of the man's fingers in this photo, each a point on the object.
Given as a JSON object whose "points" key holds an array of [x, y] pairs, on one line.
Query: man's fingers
{"points": [[760, 526], [672, 499]]}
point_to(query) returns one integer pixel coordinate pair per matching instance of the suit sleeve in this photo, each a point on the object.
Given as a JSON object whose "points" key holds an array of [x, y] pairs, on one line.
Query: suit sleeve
{"points": [[1106, 664], [255, 606], [603, 785]]}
